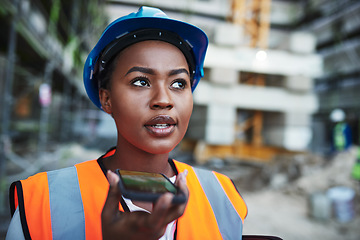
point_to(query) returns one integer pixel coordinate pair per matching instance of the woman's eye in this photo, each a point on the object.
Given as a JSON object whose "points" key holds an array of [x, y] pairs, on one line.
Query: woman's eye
{"points": [[141, 83], [179, 84]]}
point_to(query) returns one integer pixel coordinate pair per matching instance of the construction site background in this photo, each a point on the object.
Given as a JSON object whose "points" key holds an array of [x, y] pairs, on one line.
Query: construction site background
{"points": [[274, 73]]}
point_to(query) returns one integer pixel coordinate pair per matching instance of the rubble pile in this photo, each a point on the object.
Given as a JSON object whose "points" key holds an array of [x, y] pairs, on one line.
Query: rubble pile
{"points": [[336, 172]]}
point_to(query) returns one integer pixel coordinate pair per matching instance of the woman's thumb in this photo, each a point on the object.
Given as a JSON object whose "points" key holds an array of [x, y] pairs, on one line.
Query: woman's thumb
{"points": [[111, 205]]}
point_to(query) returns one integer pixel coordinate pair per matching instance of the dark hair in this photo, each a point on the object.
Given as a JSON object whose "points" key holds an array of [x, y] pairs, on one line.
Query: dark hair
{"points": [[104, 76]]}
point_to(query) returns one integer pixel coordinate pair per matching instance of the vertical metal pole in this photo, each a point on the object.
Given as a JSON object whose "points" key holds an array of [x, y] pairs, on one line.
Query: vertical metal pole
{"points": [[45, 112], [75, 15], [7, 102], [66, 113]]}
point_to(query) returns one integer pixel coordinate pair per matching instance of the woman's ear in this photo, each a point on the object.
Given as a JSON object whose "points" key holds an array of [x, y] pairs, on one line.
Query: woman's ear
{"points": [[105, 101]]}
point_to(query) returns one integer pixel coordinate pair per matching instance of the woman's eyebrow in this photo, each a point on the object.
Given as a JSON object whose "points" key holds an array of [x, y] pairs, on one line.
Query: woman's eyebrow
{"points": [[140, 69], [179, 71], [152, 72]]}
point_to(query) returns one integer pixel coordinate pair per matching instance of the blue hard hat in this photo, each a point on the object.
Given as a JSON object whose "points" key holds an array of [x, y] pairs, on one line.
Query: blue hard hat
{"points": [[147, 18]]}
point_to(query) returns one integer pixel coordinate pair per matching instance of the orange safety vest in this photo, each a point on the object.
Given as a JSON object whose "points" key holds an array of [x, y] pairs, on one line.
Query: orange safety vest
{"points": [[67, 204]]}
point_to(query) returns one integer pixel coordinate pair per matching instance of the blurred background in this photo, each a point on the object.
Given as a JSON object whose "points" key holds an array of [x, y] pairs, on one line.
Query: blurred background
{"points": [[277, 111]]}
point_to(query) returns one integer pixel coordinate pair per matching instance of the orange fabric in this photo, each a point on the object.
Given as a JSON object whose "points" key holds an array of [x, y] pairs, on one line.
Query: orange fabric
{"points": [[37, 206], [94, 188], [16, 200], [110, 153], [229, 188], [198, 221]]}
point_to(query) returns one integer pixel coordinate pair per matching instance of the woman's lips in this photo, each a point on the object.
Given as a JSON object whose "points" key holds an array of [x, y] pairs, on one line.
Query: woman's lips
{"points": [[161, 126]]}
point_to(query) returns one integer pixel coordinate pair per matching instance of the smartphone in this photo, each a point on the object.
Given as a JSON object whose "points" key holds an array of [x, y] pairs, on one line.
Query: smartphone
{"points": [[147, 187]]}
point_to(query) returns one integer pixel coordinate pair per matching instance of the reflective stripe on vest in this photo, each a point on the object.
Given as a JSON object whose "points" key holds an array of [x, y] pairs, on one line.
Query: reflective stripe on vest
{"points": [[66, 208], [225, 213], [203, 217]]}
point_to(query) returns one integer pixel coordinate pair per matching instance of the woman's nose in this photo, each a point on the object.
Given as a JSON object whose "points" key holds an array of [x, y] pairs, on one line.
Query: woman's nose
{"points": [[161, 98]]}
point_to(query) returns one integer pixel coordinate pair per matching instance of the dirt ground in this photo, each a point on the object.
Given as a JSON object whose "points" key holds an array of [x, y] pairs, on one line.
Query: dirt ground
{"points": [[286, 215]]}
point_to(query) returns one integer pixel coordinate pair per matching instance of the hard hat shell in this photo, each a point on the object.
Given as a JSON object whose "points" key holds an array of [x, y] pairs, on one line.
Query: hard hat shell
{"points": [[146, 17]]}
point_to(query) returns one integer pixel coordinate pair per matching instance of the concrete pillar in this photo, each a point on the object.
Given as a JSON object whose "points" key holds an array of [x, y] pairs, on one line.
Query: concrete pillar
{"points": [[302, 42], [225, 76], [228, 34], [299, 83], [220, 124], [291, 130]]}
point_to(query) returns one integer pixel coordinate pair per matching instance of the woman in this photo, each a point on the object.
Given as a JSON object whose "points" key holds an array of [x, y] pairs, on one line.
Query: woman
{"points": [[142, 72]]}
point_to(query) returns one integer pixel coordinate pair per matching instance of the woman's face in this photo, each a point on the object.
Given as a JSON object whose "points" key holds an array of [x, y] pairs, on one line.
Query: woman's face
{"points": [[150, 96]]}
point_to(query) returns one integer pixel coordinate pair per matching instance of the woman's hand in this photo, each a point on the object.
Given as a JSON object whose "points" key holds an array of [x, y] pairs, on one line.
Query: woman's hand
{"points": [[139, 224]]}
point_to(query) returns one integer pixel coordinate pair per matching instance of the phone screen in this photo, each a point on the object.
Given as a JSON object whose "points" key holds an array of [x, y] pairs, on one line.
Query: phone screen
{"points": [[146, 182]]}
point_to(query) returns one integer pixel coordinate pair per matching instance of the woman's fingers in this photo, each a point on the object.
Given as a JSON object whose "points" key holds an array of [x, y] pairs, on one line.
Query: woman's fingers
{"points": [[160, 212], [164, 210], [111, 206], [181, 183]]}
